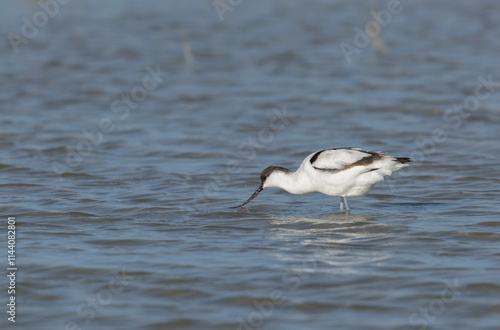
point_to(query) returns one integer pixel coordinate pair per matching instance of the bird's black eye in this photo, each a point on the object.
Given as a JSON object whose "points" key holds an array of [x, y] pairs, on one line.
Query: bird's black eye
{"points": [[263, 177]]}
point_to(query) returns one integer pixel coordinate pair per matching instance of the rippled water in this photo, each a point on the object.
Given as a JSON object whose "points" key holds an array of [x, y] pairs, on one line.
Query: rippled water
{"points": [[121, 182]]}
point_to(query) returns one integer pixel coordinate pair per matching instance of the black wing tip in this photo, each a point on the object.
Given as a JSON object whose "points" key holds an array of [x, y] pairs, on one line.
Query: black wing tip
{"points": [[404, 160]]}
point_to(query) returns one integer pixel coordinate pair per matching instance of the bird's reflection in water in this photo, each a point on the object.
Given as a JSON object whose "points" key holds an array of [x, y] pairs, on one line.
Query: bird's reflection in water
{"points": [[337, 244]]}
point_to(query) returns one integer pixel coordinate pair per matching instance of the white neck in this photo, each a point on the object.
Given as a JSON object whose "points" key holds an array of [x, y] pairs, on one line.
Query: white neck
{"points": [[292, 182]]}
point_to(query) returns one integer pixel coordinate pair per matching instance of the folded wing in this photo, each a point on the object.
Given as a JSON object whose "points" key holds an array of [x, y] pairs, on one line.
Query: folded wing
{"points": [[339, 159]]}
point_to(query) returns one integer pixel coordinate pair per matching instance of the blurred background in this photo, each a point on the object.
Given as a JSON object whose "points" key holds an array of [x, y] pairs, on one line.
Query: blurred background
{"points": [[129, 129]]}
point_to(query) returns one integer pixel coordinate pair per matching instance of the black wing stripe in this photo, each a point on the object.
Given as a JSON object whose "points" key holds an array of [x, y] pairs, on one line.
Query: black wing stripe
{"points": [[316, 155], [326, 169], [365, 161]]}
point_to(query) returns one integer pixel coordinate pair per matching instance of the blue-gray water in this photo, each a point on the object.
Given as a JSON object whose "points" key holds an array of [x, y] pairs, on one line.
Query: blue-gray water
{"points": [[122, 182]]}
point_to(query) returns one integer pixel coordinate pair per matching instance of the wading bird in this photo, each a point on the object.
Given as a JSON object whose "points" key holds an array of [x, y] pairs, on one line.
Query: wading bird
{"points": [[344, 172]]}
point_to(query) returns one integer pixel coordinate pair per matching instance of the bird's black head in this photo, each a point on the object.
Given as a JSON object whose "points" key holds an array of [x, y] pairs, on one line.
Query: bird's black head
{"points": [[266, 173], [263, 177], [269, 170]]}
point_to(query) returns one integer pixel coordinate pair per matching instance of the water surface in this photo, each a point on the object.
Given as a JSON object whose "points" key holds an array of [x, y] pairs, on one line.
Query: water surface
{"points": [[122, 188]]}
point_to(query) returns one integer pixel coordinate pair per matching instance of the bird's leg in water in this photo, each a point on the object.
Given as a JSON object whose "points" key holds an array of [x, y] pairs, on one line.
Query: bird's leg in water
{"points": [[347, 209]]}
